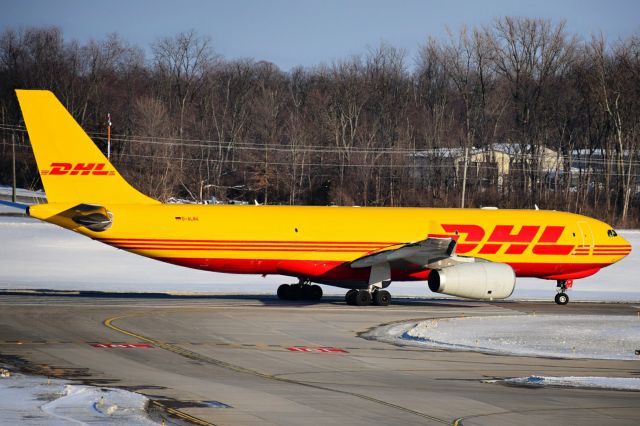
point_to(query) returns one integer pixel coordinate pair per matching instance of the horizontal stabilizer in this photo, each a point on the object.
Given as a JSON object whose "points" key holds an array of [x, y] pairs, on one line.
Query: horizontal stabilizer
{"points": [[20, 206]]}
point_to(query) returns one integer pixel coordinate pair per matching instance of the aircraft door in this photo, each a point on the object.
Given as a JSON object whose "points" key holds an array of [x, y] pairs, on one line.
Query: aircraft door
{"points": [[586, 234]]}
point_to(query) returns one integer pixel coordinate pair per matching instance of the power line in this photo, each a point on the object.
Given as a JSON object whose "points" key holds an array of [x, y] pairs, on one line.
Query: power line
{"points": [[417, 155], [513, 171]]}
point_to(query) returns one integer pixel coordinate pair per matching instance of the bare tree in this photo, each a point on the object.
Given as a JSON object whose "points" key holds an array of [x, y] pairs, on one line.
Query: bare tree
{"points": [[181, 62]]}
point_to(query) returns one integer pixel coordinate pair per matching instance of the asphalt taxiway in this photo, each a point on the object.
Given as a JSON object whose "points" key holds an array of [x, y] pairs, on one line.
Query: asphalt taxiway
{"points": [[243, 360]]}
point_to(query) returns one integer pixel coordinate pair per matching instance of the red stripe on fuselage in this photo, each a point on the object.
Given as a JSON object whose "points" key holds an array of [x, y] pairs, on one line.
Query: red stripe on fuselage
{"points": [[293, 249], [241, 245], [159, 240]]}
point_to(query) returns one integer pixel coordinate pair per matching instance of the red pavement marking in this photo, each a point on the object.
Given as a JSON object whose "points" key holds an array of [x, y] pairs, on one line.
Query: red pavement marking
{"points": [[317, 350], [121, 345]]}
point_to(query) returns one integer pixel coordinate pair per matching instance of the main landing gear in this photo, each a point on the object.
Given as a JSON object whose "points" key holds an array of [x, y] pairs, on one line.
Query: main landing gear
{"points": [[366, 297], [562, 286], [304, 290], [379, 278]]}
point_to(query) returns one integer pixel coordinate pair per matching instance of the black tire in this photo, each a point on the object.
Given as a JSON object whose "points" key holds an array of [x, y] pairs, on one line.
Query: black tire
{"points": [[305, 292], [350, 297], [562, 298], [297, 292], [315, 292], [381, 298], [363, 298], [284, 292]]}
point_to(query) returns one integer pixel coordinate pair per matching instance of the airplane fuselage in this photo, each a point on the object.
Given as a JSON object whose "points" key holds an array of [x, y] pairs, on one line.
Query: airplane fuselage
{"points": [[319, 242]]}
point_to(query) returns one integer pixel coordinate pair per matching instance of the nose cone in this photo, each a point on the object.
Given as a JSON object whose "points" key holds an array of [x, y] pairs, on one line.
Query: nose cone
{"points": [[625, 243], [609, 247], [620, 249]]}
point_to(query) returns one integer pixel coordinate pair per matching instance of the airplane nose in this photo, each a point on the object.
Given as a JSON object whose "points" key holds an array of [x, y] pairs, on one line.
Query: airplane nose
{"points": [[614, 248], [624, 248], [624, 242]]}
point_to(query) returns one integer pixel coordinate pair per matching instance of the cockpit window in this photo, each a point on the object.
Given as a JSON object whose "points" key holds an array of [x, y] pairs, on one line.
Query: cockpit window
{"points": [[612, 233]]}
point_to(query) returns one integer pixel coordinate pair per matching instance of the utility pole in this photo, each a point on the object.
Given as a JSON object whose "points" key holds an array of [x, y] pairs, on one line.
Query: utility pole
{"points": [[13, 166], [109, 136], [464, 176]]}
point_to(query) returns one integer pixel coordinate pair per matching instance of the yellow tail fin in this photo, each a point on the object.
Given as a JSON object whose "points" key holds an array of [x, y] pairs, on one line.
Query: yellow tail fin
{"points": [[72, 168]]}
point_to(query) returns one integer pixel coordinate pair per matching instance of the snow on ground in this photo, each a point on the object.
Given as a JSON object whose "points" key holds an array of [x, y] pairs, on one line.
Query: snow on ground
{"points": [[22, 195], [38, 401], [561, 336], [618, 383], [37, 255]]}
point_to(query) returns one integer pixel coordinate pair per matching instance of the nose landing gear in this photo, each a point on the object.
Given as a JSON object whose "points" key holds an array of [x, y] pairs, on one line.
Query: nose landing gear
{"points": [[562, 286]]}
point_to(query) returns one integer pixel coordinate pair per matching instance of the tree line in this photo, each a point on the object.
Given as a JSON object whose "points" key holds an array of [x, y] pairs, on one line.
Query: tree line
{"points": [[376, 129]]}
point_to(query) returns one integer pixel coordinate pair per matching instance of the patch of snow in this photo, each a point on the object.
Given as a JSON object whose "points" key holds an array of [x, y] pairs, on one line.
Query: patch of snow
{"points": [[39, 401], [617, 383], [558, 336], [88, 404], [20, 192]]}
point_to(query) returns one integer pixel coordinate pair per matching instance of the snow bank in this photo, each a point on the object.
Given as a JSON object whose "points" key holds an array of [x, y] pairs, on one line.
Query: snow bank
{"points": [[561, 336], [38, 401], [90, 405], [617, 383]]}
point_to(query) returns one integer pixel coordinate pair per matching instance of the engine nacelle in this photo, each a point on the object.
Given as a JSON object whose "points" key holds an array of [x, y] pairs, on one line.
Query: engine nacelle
{"points": [[477, 280]]}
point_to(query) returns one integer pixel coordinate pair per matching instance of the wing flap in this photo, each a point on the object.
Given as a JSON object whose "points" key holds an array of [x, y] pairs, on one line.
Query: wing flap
{"points": [[434, 252]]}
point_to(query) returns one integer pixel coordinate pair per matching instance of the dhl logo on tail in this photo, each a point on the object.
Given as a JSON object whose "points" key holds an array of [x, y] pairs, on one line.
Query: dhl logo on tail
{"points": [[80, 169]]}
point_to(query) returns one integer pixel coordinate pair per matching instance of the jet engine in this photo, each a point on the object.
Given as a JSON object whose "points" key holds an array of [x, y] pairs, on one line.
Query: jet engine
{"points": [[477, 280]]}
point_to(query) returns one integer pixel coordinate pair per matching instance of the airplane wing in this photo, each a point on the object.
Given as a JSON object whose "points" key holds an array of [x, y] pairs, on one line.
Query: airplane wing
{"points": [[432, 253]]}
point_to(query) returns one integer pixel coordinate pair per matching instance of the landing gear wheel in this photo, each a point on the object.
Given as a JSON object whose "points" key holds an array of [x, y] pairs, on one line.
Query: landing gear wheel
{"points": [[562, 298], [561, 287], [350, 296], [284, 292], [305, 292], [313, 292], [297, 292], [381, 298], [362, 298]]}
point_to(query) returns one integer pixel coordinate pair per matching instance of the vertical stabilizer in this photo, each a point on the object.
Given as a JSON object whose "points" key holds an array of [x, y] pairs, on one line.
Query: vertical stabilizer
{"points": [[72, 168]]}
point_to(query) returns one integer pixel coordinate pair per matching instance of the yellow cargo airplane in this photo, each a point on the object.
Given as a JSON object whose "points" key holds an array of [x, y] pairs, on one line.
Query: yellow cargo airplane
{"points": [[472, 253]]}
